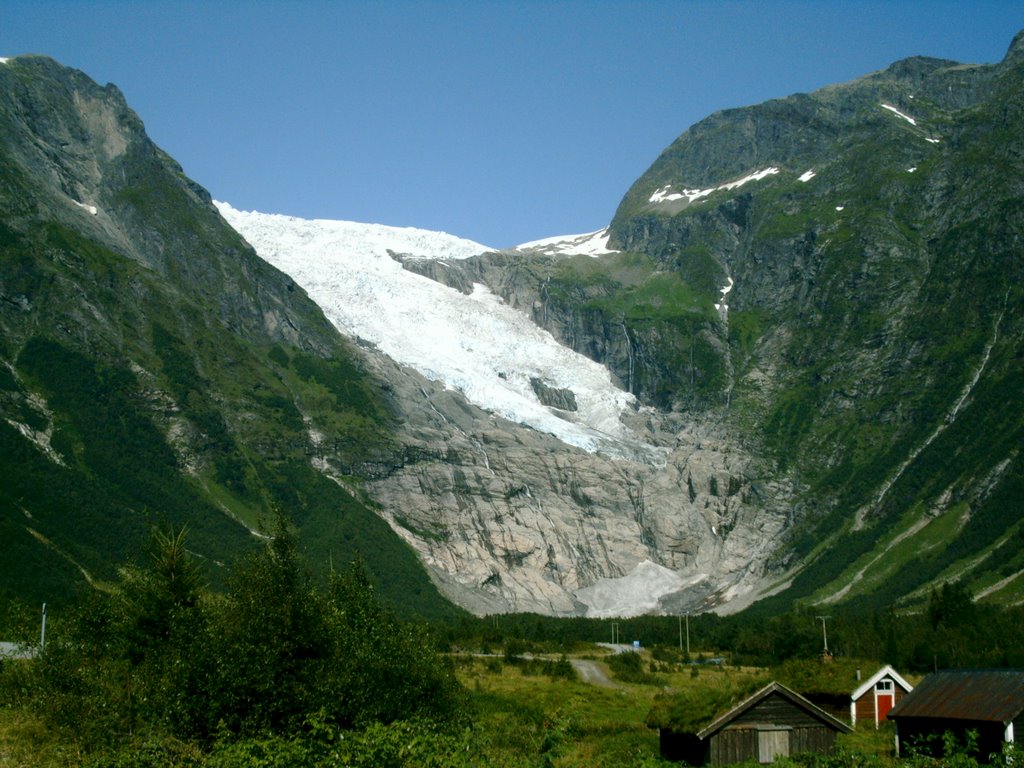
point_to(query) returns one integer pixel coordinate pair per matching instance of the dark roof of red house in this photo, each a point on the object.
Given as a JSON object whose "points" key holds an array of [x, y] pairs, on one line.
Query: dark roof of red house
{"points": [[992, 695]]}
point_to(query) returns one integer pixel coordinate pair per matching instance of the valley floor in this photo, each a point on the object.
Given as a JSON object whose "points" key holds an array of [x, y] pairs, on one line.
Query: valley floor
{"points": [[524, 712]]}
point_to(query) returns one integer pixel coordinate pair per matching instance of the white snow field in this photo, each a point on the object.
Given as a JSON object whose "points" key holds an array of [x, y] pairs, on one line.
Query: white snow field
{"points": [[589, 244], [475, 344]]}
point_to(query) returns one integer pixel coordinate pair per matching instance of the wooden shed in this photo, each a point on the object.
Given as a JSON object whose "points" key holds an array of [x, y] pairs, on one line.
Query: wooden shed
{"points": [[877, 695], [773, 722], [989, 702]]}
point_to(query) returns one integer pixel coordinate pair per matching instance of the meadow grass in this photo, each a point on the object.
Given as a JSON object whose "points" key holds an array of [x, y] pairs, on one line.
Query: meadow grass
{"points": [[570, 723]]}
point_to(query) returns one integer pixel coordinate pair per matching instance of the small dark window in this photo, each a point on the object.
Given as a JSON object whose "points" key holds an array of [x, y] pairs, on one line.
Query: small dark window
{"points": [[884, 686]]}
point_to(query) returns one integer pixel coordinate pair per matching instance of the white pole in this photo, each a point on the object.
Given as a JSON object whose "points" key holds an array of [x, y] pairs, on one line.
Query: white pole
{"points": [[42, 636], [824, 632]]}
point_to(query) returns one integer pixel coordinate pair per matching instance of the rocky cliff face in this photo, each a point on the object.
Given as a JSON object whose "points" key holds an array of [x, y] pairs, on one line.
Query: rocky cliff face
{"points": [[510, 519]]}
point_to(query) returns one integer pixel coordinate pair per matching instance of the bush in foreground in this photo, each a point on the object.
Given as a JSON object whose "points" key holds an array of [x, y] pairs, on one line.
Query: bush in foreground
{"points": [[161, 659]]}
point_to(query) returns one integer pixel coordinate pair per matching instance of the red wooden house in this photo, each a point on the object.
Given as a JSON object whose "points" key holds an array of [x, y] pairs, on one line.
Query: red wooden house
{"points": [[871, 702]]}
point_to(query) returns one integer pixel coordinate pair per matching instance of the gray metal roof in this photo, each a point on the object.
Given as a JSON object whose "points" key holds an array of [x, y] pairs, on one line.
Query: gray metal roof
{"points": [[991, 695]]}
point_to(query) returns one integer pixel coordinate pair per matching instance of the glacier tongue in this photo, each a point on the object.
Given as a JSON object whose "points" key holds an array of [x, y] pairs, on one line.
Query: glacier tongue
{"points": [[475, 344]]}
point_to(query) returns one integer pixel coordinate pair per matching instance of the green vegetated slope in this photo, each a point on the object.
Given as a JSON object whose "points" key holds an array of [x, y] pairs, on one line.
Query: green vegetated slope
{"points": [[646, 321], [651, 321], [873, 341], [153, 370]]}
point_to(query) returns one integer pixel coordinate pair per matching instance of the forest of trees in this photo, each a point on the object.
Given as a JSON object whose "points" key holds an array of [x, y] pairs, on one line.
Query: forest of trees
{"points": [[951, 631]]}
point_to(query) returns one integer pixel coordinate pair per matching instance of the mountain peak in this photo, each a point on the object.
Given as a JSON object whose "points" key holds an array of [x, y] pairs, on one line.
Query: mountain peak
{"points": [[1016, 50]]}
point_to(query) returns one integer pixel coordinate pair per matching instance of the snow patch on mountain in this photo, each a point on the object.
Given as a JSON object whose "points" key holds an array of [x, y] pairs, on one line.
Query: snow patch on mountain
{"points": [[634, 594], [475, 344], [589, 244], [806, 176], [755, 176], [895, 111], [722, 307], [663, 195]]}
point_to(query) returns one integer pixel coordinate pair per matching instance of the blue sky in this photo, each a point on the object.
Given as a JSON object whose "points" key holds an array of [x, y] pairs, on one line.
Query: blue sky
{"points": [[497, 121]]}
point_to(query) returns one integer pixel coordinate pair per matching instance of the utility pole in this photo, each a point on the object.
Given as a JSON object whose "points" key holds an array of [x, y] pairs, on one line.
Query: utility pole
{"points": [[615, 632], [42, 635], [824, 634], [687, 633]]}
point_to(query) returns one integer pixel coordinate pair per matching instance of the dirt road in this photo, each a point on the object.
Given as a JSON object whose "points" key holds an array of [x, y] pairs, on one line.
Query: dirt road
{"points": [[592, 672]]}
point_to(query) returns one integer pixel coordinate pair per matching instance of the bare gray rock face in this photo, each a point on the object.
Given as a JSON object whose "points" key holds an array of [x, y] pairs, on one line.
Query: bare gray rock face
{"points": [[554, 397], [506, 518]]}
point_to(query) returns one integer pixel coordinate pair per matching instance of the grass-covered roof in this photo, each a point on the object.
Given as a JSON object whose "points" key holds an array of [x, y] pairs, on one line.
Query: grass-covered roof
{"points": [[692, 709], [814, 676]]}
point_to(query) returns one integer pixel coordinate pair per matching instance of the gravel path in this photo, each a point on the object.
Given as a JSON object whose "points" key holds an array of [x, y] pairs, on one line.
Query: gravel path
{"points": [[592, 672]]}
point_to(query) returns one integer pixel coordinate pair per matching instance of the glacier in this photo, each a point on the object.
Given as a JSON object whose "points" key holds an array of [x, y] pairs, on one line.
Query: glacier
{"points": [[475, 344]]}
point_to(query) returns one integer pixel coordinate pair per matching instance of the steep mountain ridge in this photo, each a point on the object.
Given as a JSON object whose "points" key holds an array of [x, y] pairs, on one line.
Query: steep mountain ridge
{"points": [[154, 370]]}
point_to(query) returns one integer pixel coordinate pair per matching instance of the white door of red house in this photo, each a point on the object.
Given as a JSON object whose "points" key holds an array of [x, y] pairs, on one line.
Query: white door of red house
{"points": [[885, 699]]}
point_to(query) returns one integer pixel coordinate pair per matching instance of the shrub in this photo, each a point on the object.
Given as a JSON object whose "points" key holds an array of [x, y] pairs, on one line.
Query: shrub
{"points": [[161, 657], [628, 667]]}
